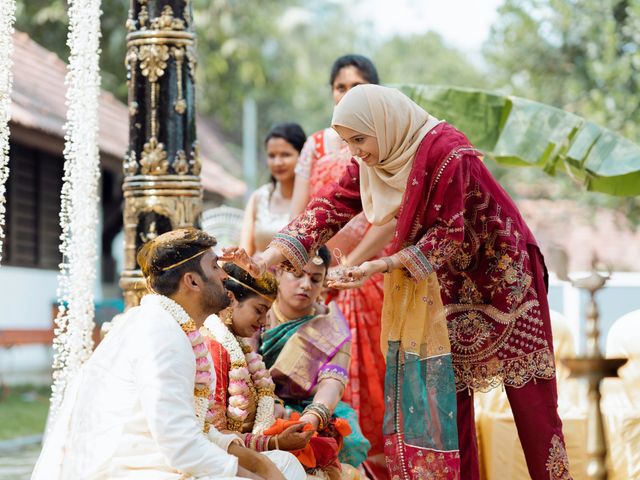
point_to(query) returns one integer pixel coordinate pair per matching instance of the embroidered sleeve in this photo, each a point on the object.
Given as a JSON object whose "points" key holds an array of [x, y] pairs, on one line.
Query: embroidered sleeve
{"points": [[444, 238], [221, 365], [335, 205]]}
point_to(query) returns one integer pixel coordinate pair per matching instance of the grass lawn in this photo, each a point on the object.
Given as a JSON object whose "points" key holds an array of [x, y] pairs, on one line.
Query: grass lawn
{"points": [[23, 410]]}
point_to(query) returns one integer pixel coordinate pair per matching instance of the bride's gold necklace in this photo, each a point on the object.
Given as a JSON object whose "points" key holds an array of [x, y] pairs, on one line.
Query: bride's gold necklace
{"points": [[281, 318]]}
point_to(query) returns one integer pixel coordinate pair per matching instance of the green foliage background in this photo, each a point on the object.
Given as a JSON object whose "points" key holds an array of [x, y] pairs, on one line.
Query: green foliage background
{"points": [[580, 56]]}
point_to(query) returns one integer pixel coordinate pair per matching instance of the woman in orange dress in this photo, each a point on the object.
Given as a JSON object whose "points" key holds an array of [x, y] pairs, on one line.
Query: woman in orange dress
{"points": [[323, 160]]}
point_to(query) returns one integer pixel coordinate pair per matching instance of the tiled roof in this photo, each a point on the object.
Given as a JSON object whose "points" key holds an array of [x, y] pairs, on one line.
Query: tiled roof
{"points": [[38, 103]]}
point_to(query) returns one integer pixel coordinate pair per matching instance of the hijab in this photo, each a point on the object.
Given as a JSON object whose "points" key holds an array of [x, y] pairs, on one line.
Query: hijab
{"points": [[399, 126]]}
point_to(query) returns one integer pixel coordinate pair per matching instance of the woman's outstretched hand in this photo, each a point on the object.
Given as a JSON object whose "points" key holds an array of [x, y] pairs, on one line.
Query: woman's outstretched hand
{"points": [[344, 277], [254, 265], [348, 277]]}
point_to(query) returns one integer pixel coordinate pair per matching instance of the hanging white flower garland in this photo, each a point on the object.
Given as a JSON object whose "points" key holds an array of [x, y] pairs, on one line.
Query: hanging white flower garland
{"points": [[7, 19], [79, 203]]}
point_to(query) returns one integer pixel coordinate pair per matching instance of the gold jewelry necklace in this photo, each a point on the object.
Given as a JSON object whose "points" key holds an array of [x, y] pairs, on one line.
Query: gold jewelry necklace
{"points": [[279, 316]]}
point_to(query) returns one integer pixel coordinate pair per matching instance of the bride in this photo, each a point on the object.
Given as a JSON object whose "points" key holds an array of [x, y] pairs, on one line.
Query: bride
{"points": [[244, 393]]}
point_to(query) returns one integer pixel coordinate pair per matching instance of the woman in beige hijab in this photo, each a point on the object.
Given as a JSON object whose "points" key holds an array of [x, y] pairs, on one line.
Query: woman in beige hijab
{"points": [[465, 291]]}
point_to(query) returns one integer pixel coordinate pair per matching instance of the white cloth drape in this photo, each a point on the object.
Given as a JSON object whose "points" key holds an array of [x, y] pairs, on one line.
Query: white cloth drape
{"points": [[621, 399]]}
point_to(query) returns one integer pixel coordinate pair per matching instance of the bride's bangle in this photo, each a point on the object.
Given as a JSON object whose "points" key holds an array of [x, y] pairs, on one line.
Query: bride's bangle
{"points": [[321, 424]]}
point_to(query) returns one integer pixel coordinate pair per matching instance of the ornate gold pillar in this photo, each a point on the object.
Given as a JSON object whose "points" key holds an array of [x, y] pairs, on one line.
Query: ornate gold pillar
{"points": [[162, 189]]}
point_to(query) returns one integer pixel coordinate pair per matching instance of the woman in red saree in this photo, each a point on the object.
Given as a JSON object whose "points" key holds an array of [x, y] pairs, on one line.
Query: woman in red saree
{"points": [[465, 291], [323, 160]]}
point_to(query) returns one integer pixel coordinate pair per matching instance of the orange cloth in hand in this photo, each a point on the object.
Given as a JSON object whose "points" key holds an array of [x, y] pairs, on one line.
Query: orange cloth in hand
{"points": [[321, 451], [305, 456]]}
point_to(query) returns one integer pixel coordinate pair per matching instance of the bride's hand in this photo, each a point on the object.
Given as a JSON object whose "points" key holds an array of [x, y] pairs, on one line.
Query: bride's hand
{"points": [[311, 420], [255, 266]]}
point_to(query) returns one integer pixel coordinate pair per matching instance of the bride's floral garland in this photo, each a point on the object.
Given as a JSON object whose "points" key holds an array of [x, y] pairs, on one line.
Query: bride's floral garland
{"points": [[204, 395], [248, 375]]}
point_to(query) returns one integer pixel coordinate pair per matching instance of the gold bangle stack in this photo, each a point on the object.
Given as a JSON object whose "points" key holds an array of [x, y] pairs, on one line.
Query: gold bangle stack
{"points": [[321, 411], [321, 424]]}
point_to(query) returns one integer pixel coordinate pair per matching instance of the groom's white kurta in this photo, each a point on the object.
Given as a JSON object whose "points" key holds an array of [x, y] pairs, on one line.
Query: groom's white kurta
{"points": [[129, 413]]}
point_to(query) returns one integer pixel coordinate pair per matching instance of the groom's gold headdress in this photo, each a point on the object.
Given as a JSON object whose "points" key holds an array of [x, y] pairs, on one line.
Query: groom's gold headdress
{"points": [[173, 249]]}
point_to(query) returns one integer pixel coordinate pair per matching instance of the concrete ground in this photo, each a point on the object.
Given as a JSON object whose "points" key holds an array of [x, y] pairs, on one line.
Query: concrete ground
{"points": [[17, 464]]}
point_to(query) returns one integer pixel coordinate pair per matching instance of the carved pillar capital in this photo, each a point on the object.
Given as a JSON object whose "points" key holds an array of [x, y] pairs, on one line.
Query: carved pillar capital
{"points": [[162, 187]]}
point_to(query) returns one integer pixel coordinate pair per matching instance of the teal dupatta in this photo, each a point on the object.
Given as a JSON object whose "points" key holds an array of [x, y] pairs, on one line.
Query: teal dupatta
{"points": [[274, 339]]}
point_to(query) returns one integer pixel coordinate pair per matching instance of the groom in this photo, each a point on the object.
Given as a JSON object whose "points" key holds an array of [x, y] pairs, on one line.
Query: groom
{"points": [[130, 412]]}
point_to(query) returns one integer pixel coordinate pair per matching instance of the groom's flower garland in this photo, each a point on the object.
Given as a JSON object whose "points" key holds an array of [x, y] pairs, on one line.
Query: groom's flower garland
{"points": [[248, 375], [7, 19], [204, 396]]}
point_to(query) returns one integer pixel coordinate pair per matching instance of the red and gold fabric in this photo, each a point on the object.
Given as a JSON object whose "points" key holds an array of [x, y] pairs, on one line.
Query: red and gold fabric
{"points": [[457, 221]]}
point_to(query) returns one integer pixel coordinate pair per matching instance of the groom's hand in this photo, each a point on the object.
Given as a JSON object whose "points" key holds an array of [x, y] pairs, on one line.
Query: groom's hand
{"points": [[244, 473], [293, 438], [255, 463]]}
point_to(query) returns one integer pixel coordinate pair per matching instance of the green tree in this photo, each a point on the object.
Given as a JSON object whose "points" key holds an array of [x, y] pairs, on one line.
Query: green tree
{"points": [[46, 21], [279, 53], [583, 57], [425, 58]]}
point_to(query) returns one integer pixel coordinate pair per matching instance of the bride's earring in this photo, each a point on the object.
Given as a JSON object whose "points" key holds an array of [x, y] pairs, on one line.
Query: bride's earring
{"points": [[227, 317]]}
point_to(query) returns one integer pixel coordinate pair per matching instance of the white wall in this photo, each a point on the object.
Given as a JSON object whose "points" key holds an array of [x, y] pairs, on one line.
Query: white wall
{"points": [[26, 364], [620, 296], [26, 297]]}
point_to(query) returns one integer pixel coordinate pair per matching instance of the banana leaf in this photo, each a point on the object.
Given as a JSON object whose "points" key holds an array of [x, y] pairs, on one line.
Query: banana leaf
{"points": [[516, 131]]}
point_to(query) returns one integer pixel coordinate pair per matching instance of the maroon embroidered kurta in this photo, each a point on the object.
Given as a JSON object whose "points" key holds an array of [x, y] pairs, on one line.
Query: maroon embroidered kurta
{"points": [[456, 220]]}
